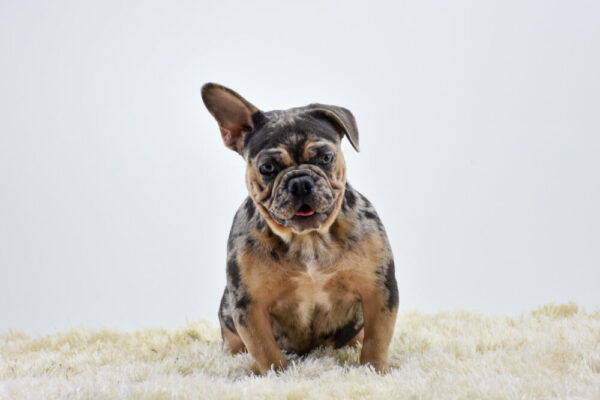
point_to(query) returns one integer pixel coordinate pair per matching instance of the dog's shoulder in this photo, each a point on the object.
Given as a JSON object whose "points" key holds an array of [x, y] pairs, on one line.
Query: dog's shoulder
{"points": [[246, 220], [357, 208]]}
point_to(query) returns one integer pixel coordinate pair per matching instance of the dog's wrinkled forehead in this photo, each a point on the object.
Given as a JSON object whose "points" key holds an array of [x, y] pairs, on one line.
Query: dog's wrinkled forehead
{"points": [[289, 129]]}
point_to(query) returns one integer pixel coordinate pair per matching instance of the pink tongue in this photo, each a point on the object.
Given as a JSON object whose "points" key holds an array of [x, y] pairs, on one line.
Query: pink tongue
{"points": [[305, 211]]}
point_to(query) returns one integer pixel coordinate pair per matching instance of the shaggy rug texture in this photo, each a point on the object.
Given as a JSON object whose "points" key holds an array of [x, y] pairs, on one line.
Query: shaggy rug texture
{"points": [[551, 352]]}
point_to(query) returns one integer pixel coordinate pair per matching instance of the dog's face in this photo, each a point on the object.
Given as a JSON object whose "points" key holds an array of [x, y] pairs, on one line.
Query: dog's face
{"points": [[295, 168]]}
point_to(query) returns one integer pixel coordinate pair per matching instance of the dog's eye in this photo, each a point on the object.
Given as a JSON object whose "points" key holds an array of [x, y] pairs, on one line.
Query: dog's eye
{"points": [[267, 168], [326, 159]]}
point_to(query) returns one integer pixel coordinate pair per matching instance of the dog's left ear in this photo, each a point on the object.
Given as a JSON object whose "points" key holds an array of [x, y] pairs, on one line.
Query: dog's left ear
{"points": [[232, 112], [341, 118]]}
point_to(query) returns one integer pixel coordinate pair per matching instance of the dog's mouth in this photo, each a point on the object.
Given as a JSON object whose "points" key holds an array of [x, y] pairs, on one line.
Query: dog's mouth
{"points": [[305, 211], [306, 218]]}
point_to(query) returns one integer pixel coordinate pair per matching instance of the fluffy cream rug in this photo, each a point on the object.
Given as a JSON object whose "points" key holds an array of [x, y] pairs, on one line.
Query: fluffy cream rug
{"points": [[552, 352]]}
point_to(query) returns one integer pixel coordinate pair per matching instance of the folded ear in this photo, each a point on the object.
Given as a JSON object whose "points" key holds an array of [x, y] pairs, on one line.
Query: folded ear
{"points": [[341, 118], [232, 112]]}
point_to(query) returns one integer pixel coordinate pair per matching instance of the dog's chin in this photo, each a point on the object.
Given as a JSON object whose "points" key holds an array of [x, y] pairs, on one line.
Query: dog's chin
{"points": [[302, 223]]}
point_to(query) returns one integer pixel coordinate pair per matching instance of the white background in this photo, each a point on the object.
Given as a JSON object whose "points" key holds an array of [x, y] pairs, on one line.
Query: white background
{"points": [[479, 127]]}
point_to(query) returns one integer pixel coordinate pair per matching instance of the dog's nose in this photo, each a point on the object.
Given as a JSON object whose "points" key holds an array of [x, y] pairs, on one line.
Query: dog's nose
{"points": [[300, 186]]}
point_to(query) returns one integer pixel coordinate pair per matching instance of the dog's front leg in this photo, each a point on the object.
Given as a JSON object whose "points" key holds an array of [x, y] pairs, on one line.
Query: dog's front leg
{"points": [[254, 327], [379, 315]]}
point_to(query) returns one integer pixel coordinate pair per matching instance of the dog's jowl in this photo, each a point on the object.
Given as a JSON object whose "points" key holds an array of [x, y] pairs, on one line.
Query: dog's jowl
{"points": [[308, 260]]}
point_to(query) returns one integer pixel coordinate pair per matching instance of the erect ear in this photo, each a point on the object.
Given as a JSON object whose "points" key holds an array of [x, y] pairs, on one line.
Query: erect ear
{"points": [[341, 118], [232, 112]]}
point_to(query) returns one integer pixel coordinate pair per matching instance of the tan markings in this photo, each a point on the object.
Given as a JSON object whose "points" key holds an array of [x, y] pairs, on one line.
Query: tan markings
{"points": [[259, 191], [308, 298], [232, 341], [338, 204], [268, 239], [378, 320], [339, 169], [262, 276], [282, 231], [379, 328], [280, 154], [257, 335], [264, 284], [310, 148], [255, 188], [338, 184], [341, 228], [284, 157], [310, 294], [305, 249]]}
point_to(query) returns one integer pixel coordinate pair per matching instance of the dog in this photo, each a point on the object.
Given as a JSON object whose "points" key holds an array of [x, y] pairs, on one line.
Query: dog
{"points": [[308, 259]]}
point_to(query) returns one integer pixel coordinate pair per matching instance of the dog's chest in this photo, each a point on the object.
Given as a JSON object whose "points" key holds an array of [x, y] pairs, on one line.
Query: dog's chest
{"points": [[311, 293], [318, 298]]}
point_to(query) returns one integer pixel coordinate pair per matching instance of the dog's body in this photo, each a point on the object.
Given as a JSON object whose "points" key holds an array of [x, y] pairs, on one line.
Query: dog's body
{"points": [[308, 260]]}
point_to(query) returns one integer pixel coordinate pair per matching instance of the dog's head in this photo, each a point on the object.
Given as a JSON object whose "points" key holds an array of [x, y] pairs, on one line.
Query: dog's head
{"points": [[295, 173]]}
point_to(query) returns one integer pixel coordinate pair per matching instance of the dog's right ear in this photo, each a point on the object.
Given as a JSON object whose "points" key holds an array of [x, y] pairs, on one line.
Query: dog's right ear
{"points": [[232, 112]]}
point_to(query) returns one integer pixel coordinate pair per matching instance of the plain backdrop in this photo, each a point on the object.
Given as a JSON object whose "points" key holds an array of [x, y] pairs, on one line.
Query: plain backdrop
{"points": [[480, 148]]}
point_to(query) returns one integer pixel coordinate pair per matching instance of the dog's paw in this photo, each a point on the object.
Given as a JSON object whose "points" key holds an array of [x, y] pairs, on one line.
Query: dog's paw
{"points": [[380, 366], [278, 366]]}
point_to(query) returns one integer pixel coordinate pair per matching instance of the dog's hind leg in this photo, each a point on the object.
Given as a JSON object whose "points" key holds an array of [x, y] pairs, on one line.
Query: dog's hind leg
{"points": [[232, 341]]}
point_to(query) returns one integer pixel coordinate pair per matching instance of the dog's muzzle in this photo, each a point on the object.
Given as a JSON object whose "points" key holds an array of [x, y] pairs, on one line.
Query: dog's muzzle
{"points": [[302, 199]]}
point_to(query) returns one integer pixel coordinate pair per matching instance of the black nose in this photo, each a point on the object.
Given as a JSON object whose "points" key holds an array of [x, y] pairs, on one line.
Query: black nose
{"points": [[300, 186]]}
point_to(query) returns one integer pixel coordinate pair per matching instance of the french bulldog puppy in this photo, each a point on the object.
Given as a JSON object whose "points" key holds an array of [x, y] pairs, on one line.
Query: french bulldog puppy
{"points": [[308, 259]]}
